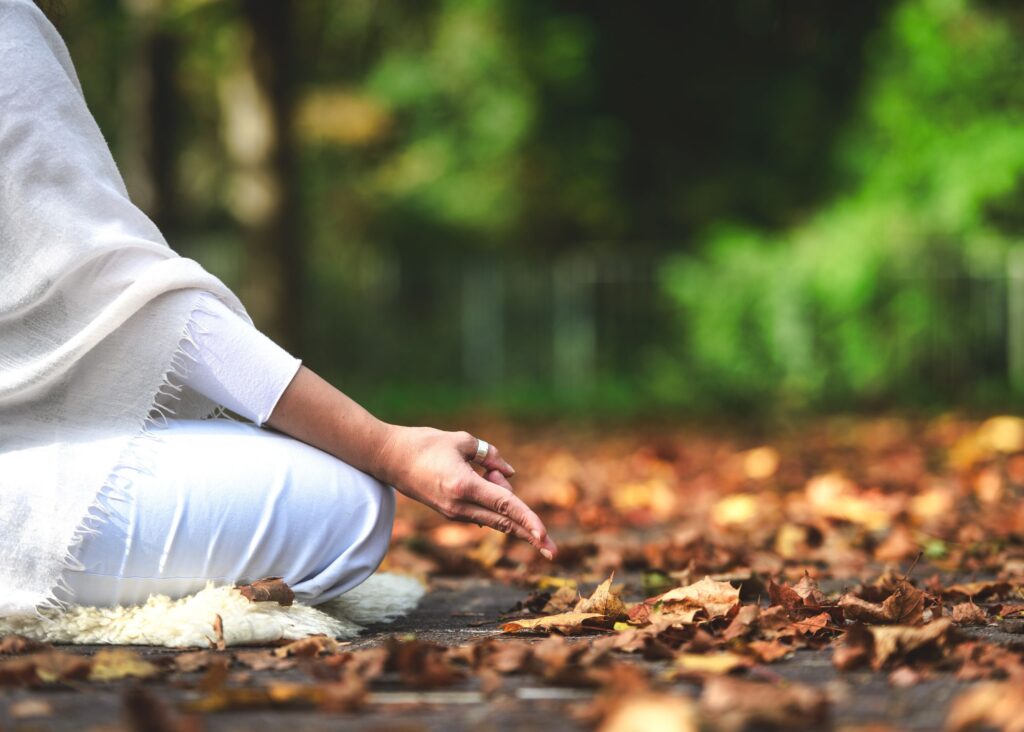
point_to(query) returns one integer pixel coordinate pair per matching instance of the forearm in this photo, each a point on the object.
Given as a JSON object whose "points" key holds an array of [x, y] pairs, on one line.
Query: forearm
{"points": [[313, 411]]}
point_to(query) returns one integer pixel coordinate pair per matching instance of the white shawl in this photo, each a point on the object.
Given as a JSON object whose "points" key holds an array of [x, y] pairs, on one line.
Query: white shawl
{"points": [[95, 314]]}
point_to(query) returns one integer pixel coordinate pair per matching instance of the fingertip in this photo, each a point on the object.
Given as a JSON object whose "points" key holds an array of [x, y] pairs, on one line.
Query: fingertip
{"points": [[546, 553]]}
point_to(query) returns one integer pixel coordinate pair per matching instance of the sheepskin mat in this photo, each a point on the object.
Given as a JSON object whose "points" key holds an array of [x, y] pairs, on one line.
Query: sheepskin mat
{"points": [[193, 621]]}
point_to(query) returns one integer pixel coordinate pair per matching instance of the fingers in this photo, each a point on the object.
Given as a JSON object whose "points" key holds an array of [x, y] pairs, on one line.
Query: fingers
{"points": [[492, 461], [494, 495], [472, 513]]}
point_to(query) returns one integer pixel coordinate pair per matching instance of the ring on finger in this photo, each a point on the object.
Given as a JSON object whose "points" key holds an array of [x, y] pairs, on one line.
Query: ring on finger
{"points": [[482, 450]]}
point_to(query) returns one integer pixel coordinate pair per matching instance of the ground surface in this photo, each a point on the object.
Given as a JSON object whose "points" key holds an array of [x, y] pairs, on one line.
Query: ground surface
{"points": [[858, 699], [851, 575]]}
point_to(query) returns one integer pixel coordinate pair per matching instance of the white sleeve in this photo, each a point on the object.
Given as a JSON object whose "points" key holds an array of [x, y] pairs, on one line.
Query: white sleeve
{"points": [[236, 365]]}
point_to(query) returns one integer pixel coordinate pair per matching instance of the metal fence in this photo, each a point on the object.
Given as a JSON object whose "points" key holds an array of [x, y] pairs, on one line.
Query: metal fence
{"points": [[570, 323]]}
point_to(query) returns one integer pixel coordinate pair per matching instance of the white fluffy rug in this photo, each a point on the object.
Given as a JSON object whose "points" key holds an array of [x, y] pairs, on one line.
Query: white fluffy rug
{"points": [[192, 621]]}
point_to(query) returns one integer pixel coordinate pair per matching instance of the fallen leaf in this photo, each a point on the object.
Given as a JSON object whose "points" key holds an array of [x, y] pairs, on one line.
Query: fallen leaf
{"points": [[603, 601], [898, 642], [51, 666], [716, 598], [769, 651], [967, 613], [194, 661], [119, 663], [649, 712], [711, 663], [308, 647], [18, 644], [145, 711], [28, 708], [264, 660], [998, 706], [563, 600], [268, 589], [978, 590], [565, 623], [731, 705], [218, 641], [905, 606], [422, 665]]}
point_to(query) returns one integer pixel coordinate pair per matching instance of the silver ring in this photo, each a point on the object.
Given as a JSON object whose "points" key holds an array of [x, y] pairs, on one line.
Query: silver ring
{"points": [[482, 449]]}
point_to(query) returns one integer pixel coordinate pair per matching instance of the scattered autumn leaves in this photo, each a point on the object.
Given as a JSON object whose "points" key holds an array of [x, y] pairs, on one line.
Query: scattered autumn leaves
{"points": [[886, 546]]}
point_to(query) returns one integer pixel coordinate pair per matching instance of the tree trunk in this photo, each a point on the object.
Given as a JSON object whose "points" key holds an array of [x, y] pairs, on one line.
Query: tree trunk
{"points": [[257, 102]]}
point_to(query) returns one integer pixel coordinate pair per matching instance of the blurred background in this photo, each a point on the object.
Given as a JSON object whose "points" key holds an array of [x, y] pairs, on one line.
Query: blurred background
{"points": [[589, 206]]}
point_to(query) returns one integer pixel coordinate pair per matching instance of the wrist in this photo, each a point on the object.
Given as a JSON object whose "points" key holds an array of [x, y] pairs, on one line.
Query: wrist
{"points": [[382, 459]]}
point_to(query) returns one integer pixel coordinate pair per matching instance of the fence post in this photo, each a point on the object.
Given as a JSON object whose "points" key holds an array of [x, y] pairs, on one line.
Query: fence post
{"points": [[1015, 317], [483, 324], [574, 323]]}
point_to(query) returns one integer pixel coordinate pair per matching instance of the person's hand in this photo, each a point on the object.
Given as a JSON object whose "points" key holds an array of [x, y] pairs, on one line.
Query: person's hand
{"points": [[433, 467]]}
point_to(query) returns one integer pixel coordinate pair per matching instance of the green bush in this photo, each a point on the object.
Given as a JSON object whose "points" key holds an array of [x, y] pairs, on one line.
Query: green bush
{"points": [[881, 293]]}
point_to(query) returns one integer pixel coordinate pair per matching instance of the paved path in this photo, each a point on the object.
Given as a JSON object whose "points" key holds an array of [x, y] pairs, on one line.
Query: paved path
{"points": [[457, 611]]}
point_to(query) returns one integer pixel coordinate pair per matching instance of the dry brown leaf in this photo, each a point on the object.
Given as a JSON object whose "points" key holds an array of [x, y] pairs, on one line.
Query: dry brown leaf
{"points": [[216, 675], [18, 672], [905, 606], [999, 706], [55, 665], [218, 641], [769, 651], [967, 613], [29, 708], [897, 642], [563, 600], [268, 589], [716, 598], [604, 601], [309, 647], [743, 624], [264, 660], [19, 644], [978, 590], [565, 623], [857, 650], [730, 705], [193, 661], [422, 665]]}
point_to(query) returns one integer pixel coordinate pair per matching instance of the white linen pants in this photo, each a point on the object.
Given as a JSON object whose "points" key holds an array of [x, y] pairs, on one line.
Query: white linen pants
{"points": [[230, 502], [227, 501]]}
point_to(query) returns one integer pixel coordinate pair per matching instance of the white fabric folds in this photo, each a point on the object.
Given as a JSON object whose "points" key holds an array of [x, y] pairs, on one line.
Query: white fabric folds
{"points": [[94, 311]]}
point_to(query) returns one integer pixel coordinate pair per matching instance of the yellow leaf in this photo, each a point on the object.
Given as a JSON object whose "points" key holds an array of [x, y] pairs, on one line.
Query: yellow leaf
{"points": [[555, 583], [761, 462], [118, 663], [711, 663], [736, 509], [663, 713]]}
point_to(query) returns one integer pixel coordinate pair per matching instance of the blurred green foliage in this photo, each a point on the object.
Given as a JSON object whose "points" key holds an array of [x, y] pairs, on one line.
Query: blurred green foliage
{"points": [[831, 191], [867, 300]]}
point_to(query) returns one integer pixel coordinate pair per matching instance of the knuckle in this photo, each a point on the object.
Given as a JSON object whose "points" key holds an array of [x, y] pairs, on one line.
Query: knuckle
{"points": [[504, 525], [502, 505], [453, 486], [450, 510]]}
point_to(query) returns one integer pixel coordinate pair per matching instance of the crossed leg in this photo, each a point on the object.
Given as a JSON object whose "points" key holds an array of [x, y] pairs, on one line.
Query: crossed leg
{"points": [[230, 502]]}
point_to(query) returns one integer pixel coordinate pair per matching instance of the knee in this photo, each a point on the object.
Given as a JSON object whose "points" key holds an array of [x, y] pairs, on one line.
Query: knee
{"points": [[380, 525]]}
